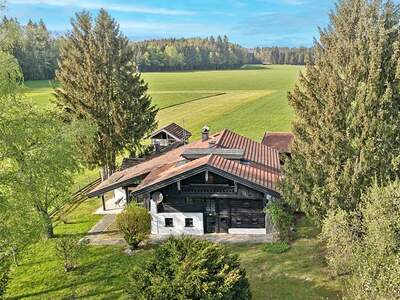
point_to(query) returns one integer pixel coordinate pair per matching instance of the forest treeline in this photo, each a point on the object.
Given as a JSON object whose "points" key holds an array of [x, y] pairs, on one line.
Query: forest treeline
{"points": [[283, 55], [190, 54], [37, 51]]}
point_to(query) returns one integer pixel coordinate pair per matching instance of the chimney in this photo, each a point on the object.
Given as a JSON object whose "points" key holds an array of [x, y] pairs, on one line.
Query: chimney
{"points": [[204, 133]]}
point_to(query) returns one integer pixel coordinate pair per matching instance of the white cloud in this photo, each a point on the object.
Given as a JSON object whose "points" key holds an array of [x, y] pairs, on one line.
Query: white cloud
{"points": [[109, 6]]}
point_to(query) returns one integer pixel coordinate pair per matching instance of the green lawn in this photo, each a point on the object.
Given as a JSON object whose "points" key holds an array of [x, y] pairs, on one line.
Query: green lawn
{"points": [[299, 273], [249, 101]]}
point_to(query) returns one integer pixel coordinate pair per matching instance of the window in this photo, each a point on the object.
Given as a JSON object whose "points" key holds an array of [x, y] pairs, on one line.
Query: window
{"points": [[188, 222], [254, 221], [169, 222], [239, 221]]}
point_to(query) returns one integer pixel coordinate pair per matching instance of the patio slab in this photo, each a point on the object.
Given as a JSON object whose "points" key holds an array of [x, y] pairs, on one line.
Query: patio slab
{"points": [[112, 207]]}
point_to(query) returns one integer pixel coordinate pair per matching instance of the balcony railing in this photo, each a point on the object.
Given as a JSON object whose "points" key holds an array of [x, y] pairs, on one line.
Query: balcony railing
{"points": [[207, 189]]}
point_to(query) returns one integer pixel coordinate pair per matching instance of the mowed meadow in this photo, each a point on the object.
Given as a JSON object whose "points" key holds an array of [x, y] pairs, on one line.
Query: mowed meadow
{"points": [[249, 100]]}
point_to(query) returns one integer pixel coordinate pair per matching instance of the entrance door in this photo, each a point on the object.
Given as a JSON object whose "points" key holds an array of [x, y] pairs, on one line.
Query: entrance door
{"points": [[211, 223], [223, 224], [210, 216]]}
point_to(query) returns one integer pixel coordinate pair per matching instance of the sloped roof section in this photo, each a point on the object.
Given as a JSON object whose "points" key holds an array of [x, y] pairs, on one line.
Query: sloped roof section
{"points": [[130, 175], [253, 151], [258, 164], [174, 130], [280, 141], [172, 173]]}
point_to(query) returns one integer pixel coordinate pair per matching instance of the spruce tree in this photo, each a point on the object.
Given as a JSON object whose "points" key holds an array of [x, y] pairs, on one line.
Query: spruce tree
{"points": [[99, 83], [347, 107]]}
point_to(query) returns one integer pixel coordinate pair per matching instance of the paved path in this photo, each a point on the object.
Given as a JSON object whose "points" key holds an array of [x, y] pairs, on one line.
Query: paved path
{"points": [[112, 207], [115, 238], [100, 234]]}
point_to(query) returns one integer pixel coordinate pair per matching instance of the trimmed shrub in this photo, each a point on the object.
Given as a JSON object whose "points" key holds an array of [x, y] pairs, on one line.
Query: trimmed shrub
{"points": [[282, 219], [277, 247], [188, 268], [68, 250], [135, 224]]}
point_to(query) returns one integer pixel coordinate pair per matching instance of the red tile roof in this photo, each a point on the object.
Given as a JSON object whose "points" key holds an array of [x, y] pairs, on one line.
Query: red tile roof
{"points": [[262, 177], [130, 174], [253, 151], [262, 164], [278, 140]]}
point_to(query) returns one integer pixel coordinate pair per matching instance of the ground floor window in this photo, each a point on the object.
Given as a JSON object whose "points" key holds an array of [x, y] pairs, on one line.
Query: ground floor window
{"points": [[188, 222], [169, 222]]}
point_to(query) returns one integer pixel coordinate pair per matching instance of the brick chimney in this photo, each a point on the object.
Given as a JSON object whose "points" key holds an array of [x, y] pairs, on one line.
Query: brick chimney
{"points": [[204, 133]]}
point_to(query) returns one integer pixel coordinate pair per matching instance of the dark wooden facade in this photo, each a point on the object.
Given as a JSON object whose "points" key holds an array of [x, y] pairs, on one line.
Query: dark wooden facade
{"points": [[224, 203]]}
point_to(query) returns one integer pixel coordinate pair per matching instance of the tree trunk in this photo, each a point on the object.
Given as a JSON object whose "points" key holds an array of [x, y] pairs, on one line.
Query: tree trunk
{"points": [[47, 225], [14, 255]]}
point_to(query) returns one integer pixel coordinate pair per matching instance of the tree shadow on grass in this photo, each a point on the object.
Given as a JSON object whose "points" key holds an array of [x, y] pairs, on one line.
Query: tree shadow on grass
{"points": [[44, 293], [94, 276]]}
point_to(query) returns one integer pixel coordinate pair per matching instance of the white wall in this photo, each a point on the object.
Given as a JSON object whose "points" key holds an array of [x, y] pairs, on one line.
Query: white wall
{"points": [[247, 231], [118, 193], [158, 223]]}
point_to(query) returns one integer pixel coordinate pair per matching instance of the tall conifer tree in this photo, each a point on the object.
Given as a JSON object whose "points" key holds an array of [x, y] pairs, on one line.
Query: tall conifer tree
{"points": [[99, 83], [347, 105]]}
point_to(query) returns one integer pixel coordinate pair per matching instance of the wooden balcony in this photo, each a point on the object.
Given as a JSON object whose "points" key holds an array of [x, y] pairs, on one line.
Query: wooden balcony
{"points": [[207, 189]]}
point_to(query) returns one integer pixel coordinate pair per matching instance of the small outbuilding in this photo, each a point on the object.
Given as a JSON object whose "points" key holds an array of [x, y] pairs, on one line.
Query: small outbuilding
{"points": [[170, 134]]}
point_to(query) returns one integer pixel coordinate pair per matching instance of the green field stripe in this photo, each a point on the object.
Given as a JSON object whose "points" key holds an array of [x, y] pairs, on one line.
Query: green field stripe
{"points": [[195, 99]]}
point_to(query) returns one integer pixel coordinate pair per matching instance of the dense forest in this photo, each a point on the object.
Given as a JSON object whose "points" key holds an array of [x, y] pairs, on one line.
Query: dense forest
{"points": [[189, 54], [34, 47], [282, 55], [37, 51]]}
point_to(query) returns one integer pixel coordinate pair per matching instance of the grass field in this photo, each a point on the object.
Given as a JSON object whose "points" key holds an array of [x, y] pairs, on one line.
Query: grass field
{"points": [[248, 101], [299, 273]]}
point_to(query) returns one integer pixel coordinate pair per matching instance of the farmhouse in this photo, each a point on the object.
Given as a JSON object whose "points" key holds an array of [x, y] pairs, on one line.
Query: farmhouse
{"points": [[219, 184]]}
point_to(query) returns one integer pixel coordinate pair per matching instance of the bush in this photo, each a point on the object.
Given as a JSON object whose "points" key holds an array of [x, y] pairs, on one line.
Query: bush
{"points": [[68, 250], [339, 232], [366, 244], [277, 248], [282, 219], [135, 224], [188, 268], [377, 265]]}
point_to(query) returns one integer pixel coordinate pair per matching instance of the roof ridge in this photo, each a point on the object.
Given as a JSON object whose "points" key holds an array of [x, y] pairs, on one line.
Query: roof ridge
{"points": [[222, 134]]}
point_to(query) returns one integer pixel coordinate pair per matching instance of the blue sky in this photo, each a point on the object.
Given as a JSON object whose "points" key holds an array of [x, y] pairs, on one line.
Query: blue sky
{"points": [[248, 22]]}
